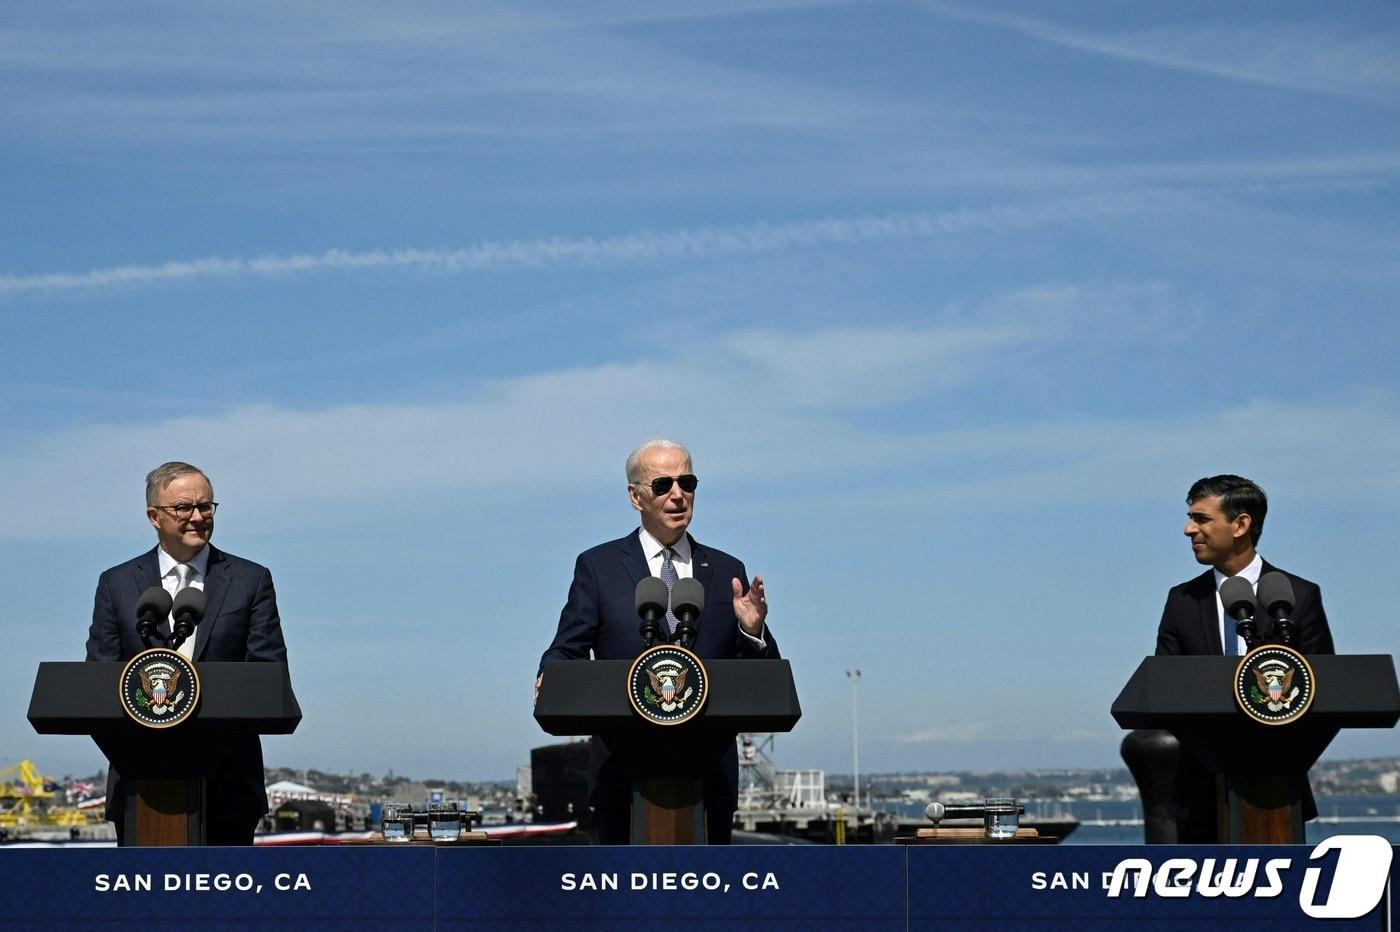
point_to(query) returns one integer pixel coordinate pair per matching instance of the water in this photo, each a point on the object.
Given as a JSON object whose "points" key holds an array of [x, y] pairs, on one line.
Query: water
{"points": [[397, 824], [1001, 818], [1102, 822], [445, 826]]}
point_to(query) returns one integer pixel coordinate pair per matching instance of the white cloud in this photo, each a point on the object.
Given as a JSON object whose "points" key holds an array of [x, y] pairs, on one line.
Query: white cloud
{"points": [[646, 246], [853, 368], [421, 72], [1314, 57], [560, 429]]}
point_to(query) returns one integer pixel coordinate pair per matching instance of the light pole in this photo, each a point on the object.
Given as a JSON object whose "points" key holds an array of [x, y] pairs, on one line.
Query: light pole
{"points": [[855, 734]]}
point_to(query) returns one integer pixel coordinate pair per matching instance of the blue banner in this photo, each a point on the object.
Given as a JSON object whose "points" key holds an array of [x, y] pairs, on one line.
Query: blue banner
{"points": [[736, 888], [1342, 883], [217, 888]]}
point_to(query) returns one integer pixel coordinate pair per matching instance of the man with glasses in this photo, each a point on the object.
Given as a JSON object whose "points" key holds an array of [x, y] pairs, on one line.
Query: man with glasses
{"points": [[600, 620], [240, 623]]}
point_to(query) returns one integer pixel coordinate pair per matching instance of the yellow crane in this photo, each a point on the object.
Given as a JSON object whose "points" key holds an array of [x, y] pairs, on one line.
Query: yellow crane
{"points": [[26, 803]]}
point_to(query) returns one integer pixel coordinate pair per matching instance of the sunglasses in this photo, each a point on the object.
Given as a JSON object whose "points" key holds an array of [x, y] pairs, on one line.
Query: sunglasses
{"points": [[662, 484]]}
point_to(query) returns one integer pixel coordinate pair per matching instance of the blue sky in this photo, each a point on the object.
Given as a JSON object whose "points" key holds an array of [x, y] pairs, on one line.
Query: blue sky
{"points": [[952, 302]]}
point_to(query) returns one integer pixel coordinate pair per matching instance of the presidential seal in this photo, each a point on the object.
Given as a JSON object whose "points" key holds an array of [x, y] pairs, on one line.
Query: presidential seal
{"points": [[159, 688], [1274, 684], [667, 684]]}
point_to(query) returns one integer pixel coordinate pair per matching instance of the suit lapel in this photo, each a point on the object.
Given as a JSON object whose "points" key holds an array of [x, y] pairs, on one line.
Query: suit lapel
{"points": [[633, 560], [145, 572], [700, 568], [216, 582], [1210, 614]]}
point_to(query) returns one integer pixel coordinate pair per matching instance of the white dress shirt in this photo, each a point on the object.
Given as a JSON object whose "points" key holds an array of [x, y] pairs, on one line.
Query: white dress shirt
{"points": [[683, 560], [681, 556], [199, 567], [1250, 573]]}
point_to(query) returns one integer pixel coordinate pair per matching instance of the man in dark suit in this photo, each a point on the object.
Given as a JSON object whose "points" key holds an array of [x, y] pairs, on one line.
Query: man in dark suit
{"points": [[600, 620], [240, 623], [1224, 519]]}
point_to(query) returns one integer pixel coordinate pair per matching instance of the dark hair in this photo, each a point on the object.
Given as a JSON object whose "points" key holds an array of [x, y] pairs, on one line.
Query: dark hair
{"points": [[1237, 496]]}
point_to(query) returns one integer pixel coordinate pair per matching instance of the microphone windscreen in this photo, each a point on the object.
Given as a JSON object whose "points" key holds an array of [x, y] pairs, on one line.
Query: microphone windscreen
{"points": [[687, 595], [154, 601], [651, 596], [190, 602], [1236, 594], [1276, 595]]}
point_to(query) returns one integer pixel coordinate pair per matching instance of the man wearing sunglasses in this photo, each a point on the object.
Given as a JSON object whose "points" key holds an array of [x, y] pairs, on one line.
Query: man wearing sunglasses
{"points": [[240, 623], [600, 621]]}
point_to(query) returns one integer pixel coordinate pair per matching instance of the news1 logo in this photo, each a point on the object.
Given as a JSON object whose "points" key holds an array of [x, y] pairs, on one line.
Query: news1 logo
{"points": [[1358, 873]]}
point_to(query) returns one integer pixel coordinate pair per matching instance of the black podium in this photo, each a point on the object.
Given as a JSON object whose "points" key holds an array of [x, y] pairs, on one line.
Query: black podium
{"points": [[589, 697], [1262, 769], [164, 769]]}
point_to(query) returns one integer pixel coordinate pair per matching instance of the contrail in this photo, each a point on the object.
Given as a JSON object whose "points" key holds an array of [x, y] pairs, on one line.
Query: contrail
{"points": [[637, 247]]}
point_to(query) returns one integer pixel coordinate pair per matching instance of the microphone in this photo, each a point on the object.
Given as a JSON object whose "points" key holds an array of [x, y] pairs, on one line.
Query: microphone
{"points": [[687, 602], [189, 612], [1237, 595], [652, 597], [1276, 595], [151, 609], [937, 812]]}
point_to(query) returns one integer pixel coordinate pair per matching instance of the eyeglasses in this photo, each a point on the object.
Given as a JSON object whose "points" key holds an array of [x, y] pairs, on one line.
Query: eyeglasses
{"points": [[662, 484], [184, 509]]}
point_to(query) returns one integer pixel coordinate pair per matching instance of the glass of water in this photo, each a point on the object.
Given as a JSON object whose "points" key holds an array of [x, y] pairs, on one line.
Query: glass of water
{"points": [[397, 821], [445, 821], [1002, 818]]}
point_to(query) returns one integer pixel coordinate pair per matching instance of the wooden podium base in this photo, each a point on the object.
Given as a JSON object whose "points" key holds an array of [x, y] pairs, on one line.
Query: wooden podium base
{"points": [[164, 813], [668, 811], [1260, 810]]}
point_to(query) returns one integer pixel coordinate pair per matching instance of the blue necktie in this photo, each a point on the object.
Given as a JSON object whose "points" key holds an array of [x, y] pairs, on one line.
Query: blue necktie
{"points": [[1232, 641], [670, 577]]}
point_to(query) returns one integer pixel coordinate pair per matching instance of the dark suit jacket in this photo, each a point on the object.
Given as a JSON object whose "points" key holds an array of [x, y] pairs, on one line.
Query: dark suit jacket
{"points": [[600, 620], [240, 623], [1191, 626], [1191, 622]]}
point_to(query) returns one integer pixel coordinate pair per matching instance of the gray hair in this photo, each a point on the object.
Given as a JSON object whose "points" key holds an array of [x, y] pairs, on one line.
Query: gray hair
{"points": [[164, 474], [634, 461]]}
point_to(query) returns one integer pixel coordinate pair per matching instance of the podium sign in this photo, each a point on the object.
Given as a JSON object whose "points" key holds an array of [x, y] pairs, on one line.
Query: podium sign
{"points": [[1264, 766], [164, 769], [592, 697]]}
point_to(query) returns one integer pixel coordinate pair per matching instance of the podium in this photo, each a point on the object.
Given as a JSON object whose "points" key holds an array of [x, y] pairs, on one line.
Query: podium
{"points": [[1262, 768], [589, 697], [164, 769]]}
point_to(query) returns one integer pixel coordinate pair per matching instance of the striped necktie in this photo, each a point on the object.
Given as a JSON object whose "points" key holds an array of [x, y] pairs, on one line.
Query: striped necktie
{"points": [[670, 577]]}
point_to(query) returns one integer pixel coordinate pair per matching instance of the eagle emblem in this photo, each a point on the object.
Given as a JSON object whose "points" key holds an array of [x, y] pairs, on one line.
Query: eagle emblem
{"points": [[667, 684], [159, 688], [1274, 684]]}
